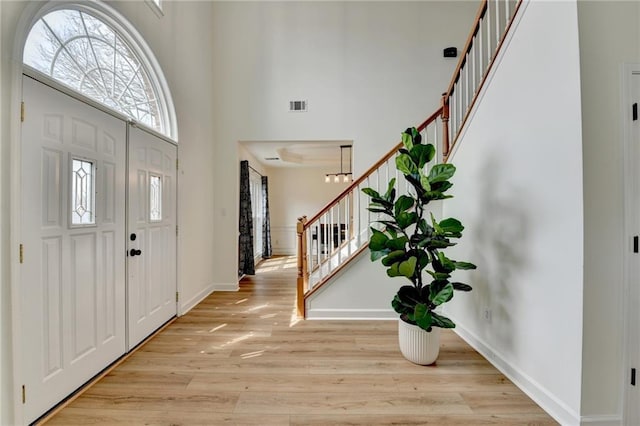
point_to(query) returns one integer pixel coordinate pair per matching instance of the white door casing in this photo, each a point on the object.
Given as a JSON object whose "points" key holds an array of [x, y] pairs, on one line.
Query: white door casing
{"points": [[72, 290], [152, 282], [631, 96]]}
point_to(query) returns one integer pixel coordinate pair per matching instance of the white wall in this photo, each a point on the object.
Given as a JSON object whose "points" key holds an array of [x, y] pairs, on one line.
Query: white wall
{"points": [[367, 69], [181, 41], [295, 192], [518, 191], [609, 37]]}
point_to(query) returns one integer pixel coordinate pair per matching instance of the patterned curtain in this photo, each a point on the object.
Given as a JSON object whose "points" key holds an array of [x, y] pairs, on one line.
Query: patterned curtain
{"points": [[246, 263], [266, 225]]}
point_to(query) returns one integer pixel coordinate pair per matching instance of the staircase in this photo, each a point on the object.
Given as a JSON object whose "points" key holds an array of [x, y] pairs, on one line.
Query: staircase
{"points": [[337, 234]]}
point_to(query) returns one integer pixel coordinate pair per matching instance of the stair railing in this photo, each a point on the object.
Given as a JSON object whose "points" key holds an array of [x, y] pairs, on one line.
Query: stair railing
{"points": [[492, 24], [340, 231]]}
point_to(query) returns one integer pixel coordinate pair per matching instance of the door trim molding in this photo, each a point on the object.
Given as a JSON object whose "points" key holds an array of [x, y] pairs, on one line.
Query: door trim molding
{"points": [[630, 274]]}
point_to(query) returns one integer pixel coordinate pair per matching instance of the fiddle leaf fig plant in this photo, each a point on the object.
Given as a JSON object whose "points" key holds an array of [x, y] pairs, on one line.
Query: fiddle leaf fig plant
{"points": [[410, 242]]}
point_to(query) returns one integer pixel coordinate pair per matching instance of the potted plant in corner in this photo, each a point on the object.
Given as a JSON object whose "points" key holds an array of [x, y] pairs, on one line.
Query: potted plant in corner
{"points": [[410, 242]]}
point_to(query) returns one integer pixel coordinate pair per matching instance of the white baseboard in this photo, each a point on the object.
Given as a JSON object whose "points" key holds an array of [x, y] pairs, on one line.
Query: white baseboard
{"points": [[202, 294], [556, 408], [199, 297], [284, 252], [351, 314], [226, 287], [601, 420]]}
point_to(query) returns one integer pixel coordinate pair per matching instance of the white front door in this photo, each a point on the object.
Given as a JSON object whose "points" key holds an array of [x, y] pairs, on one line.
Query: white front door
{"points": [[151, 234], [72, 292]]}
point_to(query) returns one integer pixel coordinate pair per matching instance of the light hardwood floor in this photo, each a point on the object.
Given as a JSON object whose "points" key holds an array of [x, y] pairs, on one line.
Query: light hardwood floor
{"points": [[242, 359]]}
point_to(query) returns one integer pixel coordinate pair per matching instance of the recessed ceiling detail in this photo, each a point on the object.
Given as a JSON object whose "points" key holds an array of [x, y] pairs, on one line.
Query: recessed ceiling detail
{"points": [[297, 153]]}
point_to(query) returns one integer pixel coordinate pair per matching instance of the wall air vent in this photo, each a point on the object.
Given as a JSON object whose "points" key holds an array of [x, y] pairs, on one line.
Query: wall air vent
{"points": [[297, 106]]}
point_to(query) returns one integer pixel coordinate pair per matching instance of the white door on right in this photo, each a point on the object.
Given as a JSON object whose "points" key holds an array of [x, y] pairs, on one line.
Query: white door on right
{"points": [[632, 378], [151, 234]]}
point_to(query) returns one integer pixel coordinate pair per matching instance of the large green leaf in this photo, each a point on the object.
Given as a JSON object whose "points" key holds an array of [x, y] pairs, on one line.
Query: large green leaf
{"points": [[464, 265], [443, 295], [438, 242], [405, 164], [378, 240], [393, 272], [441, 321], [428, 196], [405, 219], [435, 287], [397, 243], [441, 172], [441, 186], [414, 180], [394, 257], [422, 316], [461, 286], [451, 226], [422, 154], [446, 263], [439, 276], [403, 203], [408, 267], [423, 259], [390, 195], [378, 210], [424, 182], [382, 202], [371, 192], [401, 307], [375, 255], [407, 140]]}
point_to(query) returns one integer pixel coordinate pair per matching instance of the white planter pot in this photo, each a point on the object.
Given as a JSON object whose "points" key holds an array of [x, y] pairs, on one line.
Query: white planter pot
{"points": [[417, 345]]}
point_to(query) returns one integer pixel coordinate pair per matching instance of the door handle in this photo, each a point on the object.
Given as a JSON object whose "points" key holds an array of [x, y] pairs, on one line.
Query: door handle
{"points": [[135, 252]]}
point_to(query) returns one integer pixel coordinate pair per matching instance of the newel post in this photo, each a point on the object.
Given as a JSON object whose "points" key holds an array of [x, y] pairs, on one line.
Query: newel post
{"points": [[445, 125], [302, 265]]}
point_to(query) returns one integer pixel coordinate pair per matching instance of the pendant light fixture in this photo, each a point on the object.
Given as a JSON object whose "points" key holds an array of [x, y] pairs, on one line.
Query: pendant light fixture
{"points": [[345, 174]]}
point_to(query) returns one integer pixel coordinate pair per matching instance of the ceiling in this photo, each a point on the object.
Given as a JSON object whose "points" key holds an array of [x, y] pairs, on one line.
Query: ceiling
{"points": [[300, 153]]}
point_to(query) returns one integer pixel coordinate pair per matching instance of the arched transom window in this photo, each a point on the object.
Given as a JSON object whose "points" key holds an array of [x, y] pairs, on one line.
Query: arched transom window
{"points": [[89, 56]]}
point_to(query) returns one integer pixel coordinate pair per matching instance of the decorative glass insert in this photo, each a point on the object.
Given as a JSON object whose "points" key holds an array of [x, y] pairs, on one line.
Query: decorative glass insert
{"points": [[84, 53], [155, 198], [82, 192]]}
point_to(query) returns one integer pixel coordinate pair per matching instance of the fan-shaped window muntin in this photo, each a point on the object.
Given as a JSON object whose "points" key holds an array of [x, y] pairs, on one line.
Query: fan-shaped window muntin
{"points": [[89, 56]]}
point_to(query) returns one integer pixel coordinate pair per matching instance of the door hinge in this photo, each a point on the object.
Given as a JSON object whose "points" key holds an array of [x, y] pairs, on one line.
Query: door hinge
{"points": [[22, 112], [177, 163], [633, 377], [176, 230], [177, 296], [21, 253], [24, 394], [634, 111], [636, 243]]}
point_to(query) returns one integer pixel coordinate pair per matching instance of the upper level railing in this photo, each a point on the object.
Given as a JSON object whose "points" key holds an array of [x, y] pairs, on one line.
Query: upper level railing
{"points": [[340, 231], [493, 20]]}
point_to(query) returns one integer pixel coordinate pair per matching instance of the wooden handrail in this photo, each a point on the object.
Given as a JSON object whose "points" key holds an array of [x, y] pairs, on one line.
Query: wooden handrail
{"points": [[370, 170], [484, 5], [482, 80]]}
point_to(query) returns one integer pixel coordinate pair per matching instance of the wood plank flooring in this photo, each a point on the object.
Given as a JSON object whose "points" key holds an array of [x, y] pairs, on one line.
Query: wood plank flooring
{"points": [[243, 359]]}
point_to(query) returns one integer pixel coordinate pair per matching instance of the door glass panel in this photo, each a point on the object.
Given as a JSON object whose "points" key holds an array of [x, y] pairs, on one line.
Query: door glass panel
{"points": [[155, 198], [82, 192]]}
